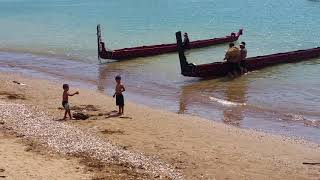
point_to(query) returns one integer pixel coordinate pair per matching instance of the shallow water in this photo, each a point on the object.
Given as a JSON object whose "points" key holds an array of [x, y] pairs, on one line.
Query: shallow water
{"points": [[56, 39]]}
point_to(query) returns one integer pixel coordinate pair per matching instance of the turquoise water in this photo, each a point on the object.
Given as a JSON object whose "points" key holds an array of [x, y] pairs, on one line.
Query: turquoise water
{"points": [[58, 39]]}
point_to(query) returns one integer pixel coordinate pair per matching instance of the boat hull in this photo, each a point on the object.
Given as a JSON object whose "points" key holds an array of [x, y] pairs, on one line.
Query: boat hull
{"points": [[145, 51], [221, 69]]}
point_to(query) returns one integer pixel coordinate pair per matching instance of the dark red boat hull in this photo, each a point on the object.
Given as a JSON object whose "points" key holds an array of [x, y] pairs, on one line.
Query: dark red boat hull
{"points": [[221, 69], [144, 51]]}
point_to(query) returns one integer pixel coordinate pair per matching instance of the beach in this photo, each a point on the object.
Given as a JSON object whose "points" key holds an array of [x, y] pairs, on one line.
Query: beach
{"points": [[57, 40], [149, 143], [262, 125]]}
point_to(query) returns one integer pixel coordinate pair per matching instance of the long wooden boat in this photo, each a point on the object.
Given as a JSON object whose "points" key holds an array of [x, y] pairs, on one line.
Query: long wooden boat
{"points": [[221, 69], [144, 51]]}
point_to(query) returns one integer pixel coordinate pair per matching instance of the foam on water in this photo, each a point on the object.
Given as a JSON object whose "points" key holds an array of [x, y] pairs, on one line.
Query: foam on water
{"points": [[226, 103]]}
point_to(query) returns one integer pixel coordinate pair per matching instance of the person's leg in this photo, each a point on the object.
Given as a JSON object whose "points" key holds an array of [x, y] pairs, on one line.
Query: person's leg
{"points": [[230, 70], [244, 66], [65, 114], [235, 69], [119, 112], [122, 109], [69, 112]]}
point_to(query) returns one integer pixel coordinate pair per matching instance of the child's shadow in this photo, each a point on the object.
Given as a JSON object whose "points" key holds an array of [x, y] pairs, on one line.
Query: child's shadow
{"points": [[113, 114]]}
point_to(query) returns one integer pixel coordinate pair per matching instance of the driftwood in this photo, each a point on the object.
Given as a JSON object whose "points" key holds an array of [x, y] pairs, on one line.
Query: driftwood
{"points": [[311, 163]]}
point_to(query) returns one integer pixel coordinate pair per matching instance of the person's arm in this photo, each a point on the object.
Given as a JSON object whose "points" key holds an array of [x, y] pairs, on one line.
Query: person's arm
{"points": [[123, 89], [73, 94]]}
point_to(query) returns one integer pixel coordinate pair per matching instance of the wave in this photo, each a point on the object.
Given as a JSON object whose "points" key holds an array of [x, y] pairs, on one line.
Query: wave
{"points": [[268, 112]]}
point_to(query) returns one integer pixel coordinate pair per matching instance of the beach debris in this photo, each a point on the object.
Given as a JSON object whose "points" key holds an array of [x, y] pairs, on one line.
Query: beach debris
{"points": [[80, 116], [311, 163], [125, 117], [22, 84], [68, 139], [12, 96], [110, 131], [2, 170]]}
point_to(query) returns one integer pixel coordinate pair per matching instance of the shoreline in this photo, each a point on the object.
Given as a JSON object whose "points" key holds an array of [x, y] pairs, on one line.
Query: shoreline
{"points": [[217, 101], [198, 147]]}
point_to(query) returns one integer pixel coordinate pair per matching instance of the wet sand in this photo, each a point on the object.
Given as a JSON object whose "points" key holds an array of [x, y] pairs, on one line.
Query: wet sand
{"points": [[196, 147]]}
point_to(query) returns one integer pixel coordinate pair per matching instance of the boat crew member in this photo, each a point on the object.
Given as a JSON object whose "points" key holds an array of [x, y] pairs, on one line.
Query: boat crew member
{"points": [[233, 59], [186, 41], [243, 56]]}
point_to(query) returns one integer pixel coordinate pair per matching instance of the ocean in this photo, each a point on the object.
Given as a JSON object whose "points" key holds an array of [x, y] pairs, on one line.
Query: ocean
{"points": [[57, 40]]}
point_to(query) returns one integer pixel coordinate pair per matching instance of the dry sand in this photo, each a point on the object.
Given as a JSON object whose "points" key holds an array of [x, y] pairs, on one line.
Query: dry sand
{"points": [[197, 147], [19, 161]]}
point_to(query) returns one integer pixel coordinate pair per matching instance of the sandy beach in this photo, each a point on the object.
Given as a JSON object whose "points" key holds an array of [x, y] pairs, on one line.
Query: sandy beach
{"points": [[144, 143]]}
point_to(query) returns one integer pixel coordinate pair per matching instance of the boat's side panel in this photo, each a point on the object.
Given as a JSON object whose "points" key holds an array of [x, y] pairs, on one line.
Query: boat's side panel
{"points": [[254, 63], [214, 69], [205, 43], [134, 53], [156, 50], [144, 51]]}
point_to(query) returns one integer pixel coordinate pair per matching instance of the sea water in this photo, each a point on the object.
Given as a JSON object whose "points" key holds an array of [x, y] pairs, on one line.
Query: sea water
{"points": [[57, 39]]}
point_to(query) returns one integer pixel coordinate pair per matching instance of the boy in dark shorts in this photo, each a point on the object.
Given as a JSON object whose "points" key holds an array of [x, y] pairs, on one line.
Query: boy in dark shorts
{"points": [[65, 100], [118, 94]]}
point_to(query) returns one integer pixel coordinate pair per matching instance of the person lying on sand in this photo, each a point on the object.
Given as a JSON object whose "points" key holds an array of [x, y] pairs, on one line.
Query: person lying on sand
{"points": [[65, 100], [118, 94]]}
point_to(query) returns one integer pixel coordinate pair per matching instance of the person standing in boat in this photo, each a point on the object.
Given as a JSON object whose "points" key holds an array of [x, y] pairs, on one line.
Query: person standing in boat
{"points": [[186, 41], [243, 56], [233, 59]]}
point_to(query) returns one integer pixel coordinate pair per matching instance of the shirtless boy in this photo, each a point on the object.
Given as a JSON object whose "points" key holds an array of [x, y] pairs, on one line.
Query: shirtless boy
{"points": [[65, 101], [118, 94]]}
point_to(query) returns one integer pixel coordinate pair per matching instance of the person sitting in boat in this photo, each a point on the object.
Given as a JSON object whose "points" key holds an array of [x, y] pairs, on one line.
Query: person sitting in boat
{"points": [[243, 56], [186, 41], [233, 59]]}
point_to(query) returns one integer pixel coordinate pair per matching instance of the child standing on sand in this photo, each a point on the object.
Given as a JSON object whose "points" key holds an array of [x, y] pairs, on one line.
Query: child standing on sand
{"points": [[118, 94], [65, 100]]}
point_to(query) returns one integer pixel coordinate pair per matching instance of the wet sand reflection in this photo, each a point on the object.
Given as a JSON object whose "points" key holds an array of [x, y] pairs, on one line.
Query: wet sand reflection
{"points": [[231, 101]]}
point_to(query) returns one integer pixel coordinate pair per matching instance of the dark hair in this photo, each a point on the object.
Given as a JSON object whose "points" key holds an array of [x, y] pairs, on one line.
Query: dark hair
{"points": [[65, 86], [243, 43], [118, 77], [231, 44]]}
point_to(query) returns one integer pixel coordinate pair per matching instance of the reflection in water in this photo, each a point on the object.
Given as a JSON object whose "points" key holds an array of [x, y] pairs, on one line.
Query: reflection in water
{"points": [[234, 114], [233, 98], [103, 78]]}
